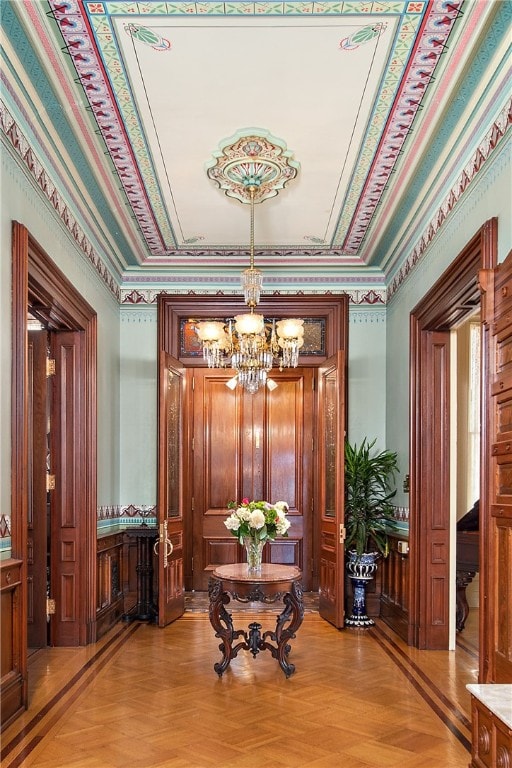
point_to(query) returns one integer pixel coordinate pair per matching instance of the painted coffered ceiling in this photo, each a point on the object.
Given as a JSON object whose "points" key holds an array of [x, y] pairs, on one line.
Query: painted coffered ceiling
{"points": [[135, 103]]}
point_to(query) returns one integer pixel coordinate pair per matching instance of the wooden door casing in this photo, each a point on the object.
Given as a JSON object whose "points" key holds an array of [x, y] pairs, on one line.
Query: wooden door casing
{"points": [[256, 446], [496, 589], [41, 288], [451, 299]]}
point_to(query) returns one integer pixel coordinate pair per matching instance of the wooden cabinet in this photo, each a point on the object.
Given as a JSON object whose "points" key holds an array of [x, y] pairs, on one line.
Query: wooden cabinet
{"points": [[13, 672], [491, 717]]}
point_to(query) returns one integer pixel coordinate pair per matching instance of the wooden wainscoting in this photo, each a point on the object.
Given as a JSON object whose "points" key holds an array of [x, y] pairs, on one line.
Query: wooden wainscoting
{"points": [[394, 604], [13, 673], [109, 587]]}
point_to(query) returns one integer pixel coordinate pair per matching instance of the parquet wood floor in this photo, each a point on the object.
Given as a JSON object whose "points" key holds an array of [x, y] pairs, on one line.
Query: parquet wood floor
{"points": [[144, 697]]}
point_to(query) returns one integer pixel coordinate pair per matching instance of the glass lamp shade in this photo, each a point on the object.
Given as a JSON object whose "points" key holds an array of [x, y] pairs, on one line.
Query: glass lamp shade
{"points": [[215, 342], [290, 328], [249, 324], [211, 330]]}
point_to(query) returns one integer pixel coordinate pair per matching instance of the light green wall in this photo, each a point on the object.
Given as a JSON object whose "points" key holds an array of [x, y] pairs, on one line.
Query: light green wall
{"points": [[21, 202], [489, 196], [138, 404], [367, 375]]}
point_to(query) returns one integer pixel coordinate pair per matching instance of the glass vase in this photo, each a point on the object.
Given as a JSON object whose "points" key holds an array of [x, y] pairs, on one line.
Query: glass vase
{"points": [[254, 549]]}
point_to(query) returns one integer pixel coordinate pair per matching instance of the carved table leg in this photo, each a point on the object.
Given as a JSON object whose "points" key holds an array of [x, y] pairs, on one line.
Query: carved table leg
{"points": [[287, 624], [222, 623], [463, 578]]}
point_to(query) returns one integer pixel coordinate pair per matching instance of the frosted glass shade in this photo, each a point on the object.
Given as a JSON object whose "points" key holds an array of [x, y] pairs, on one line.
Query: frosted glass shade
{"points": [[210, 330], [249, 324], [290, 328]]}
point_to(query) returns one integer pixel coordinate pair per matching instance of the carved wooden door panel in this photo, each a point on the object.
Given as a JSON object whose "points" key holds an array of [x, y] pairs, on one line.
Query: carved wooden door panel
{"points": [[170, 546], [37, 507], [497, 525], [68, 499], [256, 446], [331, 475], [434, 561]]}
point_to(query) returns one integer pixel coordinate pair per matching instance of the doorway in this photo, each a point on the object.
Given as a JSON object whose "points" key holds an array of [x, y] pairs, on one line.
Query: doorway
{"points": [[254, 445], [41, 289], [453, 298]]}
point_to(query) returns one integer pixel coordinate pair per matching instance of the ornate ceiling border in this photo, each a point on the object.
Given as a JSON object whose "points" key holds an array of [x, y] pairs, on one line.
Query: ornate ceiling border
{"points": [[14, 135], [422, 37], [500, 128], [138, 297]]}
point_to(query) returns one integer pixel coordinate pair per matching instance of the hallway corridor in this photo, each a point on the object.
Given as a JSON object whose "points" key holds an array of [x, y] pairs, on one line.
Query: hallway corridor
{"points": [[144, 697]]}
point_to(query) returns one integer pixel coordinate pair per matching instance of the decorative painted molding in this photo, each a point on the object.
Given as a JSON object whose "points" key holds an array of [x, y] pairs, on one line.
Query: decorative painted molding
{"points": [[133, 314], [129, 511], [144, 296], [17, 141], [357, 316], [493, 138], [390, 129]]}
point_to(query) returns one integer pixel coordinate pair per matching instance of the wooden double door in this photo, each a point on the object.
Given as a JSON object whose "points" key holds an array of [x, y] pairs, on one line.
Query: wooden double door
{"points": [[255, 446], [218, 445]]}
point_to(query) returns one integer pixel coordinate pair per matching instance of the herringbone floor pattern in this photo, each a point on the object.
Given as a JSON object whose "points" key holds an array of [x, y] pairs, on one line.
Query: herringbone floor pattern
{"points": [[144, 697]]}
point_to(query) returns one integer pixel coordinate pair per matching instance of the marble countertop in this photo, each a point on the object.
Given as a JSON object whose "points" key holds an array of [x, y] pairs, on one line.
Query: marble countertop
{"points": [[497, 698]]}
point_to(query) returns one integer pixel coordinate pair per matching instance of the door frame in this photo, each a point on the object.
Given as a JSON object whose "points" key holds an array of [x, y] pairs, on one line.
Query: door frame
{"points": [[38, 284], [453, 297], [174, 310]]}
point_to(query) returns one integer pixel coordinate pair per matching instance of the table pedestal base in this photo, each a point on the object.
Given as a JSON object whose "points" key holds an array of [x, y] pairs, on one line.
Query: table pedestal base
{"points": [[253, 640]]}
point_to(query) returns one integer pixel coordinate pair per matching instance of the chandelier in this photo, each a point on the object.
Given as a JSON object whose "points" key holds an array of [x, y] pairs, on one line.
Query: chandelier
{"points": [[248, 343]]}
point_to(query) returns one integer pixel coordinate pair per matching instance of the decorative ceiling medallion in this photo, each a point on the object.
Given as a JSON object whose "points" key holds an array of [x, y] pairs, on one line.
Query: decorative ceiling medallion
{"points": [[252, 158]]}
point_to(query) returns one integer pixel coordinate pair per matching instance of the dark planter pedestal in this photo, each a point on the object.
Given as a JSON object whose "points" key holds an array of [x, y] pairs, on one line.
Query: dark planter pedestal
{"points": [[361, 570]]}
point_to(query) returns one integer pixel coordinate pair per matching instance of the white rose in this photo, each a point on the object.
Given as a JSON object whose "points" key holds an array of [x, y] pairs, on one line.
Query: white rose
{"points": [[232, 523], [244, 514], [282, 506], [257, 519], [282, 525]]}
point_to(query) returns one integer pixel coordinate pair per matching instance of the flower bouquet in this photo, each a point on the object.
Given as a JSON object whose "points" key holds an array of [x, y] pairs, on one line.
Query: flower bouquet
{"points": [[256, 522]]}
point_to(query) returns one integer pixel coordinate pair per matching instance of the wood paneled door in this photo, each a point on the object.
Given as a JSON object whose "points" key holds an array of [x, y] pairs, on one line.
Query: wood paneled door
{"points": [[258, 446], [331, 488], [170, 547], [38, 533]]}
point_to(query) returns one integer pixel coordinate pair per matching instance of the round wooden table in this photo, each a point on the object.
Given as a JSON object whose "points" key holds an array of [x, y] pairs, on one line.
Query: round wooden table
{"points": [[274, 583]]}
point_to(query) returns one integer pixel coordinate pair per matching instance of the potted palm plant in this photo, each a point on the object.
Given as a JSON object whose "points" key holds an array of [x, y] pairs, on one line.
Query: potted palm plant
{"points": [[369, 514]]}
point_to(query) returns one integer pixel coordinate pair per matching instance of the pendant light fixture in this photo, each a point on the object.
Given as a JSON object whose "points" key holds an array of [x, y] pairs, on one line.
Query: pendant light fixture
{"points": [[250, 166]]}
